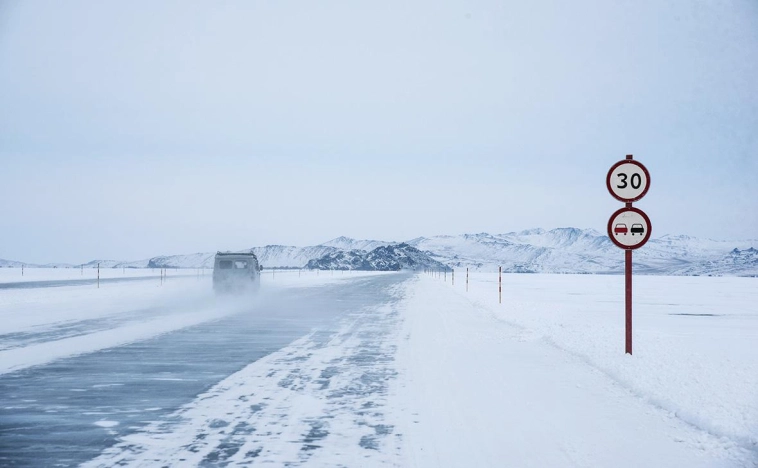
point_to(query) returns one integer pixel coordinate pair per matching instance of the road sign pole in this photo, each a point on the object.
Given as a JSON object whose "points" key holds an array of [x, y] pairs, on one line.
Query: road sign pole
{"points": [[628, 268], [628, 181], [500, 285]]}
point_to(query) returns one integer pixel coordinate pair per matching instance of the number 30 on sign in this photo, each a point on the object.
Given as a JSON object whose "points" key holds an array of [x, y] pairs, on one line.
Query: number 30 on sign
{"points": [[628, 181]]}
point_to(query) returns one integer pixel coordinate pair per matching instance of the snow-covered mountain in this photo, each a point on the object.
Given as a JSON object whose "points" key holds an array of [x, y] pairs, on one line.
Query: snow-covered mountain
{"points": [[341, 260], [571, 250], [10, 263], [283, 256], [383, 258], [116, 264], [563, 250], [347, 243], [737, 262], [195, 260]]}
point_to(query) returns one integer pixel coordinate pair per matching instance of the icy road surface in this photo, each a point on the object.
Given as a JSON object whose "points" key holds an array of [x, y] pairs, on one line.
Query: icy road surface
{"points": [[382, 370], [93, 365]]}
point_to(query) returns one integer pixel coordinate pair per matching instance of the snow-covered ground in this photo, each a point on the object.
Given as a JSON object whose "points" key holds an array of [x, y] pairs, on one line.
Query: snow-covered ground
{"points": [[695, 352], [549, 364], [430, 374]]}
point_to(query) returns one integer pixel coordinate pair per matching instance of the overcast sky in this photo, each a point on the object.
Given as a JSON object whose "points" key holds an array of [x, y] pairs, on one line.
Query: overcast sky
{"points": [[133, 129]]}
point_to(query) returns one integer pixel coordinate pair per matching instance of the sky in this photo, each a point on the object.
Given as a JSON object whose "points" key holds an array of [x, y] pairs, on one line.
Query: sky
{"points": [[135, 129]]}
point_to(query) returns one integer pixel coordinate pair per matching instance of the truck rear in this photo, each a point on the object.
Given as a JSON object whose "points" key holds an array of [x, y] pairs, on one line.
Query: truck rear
{"points": [[236, 272]]}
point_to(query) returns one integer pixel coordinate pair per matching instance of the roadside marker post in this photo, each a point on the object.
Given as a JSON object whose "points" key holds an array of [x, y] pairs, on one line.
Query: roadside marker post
{"points": [[98, 276], [466, 279], [500, 284], [628, 228]]}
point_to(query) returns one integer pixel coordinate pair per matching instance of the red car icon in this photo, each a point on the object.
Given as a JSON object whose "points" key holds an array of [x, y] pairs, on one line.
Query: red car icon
{"points": [[620, 229]]}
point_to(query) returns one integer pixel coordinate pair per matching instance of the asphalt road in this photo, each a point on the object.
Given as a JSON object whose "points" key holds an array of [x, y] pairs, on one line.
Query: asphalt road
{"points": [[68, 411]]}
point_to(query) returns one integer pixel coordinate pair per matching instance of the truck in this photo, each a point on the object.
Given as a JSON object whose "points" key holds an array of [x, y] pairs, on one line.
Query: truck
{"points": [[236, 272]]}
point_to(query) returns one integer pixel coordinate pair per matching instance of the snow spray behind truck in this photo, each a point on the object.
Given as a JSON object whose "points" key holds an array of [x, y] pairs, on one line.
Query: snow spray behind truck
{"points": [[236, 272]]}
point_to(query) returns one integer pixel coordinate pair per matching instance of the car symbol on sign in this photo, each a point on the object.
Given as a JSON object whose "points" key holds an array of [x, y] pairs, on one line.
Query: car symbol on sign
{"points": [[620, 229], [638, 229]]}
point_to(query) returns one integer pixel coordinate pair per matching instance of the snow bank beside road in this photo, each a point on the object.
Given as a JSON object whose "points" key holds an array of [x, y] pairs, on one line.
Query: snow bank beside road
{"points": [[695, 352], [479, 389]]}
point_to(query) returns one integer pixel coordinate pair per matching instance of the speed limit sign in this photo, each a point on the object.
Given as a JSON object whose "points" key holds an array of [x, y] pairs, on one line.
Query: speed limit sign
{"points": [[628, 180]]}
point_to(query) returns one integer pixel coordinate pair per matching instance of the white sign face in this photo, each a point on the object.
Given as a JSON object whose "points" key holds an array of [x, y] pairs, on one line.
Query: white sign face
{"points": [[628, 181], [629, 228]]}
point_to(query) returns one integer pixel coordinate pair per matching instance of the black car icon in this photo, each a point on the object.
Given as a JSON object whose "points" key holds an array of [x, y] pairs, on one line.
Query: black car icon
{"points": [[637, 229]]}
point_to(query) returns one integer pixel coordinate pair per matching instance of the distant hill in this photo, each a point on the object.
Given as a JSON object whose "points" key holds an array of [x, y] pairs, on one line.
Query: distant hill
{"points": [[383, 258]]}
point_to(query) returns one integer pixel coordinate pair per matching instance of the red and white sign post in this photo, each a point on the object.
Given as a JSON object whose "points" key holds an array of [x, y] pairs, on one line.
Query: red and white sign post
{"points": [[629, 228]]}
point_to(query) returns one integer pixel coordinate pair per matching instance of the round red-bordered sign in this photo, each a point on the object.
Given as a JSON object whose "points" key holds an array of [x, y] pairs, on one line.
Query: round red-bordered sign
{"points": [[628, 180], [629, 228]]}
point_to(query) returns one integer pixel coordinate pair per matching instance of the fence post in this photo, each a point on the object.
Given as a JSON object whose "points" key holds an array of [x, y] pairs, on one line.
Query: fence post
{"points": [[500, 285], [98, 276], [466, 279]]}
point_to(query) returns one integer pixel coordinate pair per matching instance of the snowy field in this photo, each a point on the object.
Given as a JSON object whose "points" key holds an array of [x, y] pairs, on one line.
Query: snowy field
{"points": [[369, 369], [695, 357]]}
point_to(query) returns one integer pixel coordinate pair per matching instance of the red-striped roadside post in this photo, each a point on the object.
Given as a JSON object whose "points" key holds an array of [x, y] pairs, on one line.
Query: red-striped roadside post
{"points": [[500, 285], [629, 228]]}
